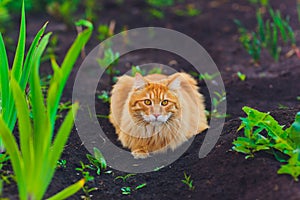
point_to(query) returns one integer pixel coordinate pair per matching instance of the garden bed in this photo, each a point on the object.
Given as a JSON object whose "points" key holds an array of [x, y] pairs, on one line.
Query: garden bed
{"points": [[223, 174]]}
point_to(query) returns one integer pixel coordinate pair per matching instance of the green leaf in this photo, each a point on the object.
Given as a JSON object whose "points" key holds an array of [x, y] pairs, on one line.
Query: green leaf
{"points": [[66, 68], [29, 58], [99, 156], [20, 51], [69, 191]]}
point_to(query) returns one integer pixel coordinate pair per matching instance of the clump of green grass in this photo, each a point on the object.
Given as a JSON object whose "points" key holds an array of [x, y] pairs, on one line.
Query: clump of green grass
{"points": [[263, 133], [268, 35], [34, 158]]}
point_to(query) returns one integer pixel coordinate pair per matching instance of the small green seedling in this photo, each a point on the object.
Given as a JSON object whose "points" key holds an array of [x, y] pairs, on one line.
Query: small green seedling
{"points": [[104, 96], [84, 170], [241, 76], [124, 178], [126, 190], [158, 168], [61, 163], [281, 106], [97, 160], [155, 70], [108, 62], [208, 77], [103, 32], [190, 11], [137, 69], [263, 133], [217, 100], [298, 98], [187, 180]]}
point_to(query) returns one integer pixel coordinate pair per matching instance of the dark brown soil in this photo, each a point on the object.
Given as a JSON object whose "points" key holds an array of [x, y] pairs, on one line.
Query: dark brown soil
{"points": [[223, 174]]}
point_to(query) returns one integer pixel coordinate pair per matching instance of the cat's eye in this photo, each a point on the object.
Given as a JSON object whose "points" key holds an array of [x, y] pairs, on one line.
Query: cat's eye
{"points": [[164, 102], [147, 102]]}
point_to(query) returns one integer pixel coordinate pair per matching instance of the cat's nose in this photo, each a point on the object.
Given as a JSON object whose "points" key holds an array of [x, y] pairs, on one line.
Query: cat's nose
{"points": [[156, 115]]}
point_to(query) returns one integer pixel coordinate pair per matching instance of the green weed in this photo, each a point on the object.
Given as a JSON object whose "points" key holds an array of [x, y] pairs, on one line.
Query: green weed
{"points": [[241, 76], [188, 181], [263, 133], [267, 35]]}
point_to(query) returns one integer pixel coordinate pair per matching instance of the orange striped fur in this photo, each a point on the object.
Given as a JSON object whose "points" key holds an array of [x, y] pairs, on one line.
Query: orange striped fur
{"points": [[156, 112]]}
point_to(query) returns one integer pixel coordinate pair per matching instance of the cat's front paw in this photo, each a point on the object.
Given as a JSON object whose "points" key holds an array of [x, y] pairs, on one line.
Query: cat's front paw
{"points": [[140, 153]]}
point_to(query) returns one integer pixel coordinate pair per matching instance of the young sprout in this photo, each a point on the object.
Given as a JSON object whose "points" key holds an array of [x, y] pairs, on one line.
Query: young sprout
{"points": [[61, 163], [104, 96], [241, 76], [188, 181], [124, 178]]}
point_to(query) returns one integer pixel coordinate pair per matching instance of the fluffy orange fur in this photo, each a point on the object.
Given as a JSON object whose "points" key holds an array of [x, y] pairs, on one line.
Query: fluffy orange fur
{"points": [[156, 112]]}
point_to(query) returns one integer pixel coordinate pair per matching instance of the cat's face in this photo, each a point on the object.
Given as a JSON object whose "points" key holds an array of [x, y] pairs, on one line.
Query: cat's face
{"points": [[154, 103]]}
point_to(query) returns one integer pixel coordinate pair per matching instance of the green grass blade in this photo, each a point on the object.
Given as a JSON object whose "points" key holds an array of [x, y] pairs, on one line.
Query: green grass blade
{"points": [[69, 191], [24, 123], [20, 51], [29, 58], [67, 66], [38, 108], [62, 135], [261, 27], [4, 79], [15, 157]]}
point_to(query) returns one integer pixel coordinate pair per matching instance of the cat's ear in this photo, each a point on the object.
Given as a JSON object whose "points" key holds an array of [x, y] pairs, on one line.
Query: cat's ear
{"points": [[174, 83], [139, 81]]}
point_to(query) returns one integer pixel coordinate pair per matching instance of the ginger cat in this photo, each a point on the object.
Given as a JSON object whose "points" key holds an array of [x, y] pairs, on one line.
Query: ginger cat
{"points": [[156, 112]]}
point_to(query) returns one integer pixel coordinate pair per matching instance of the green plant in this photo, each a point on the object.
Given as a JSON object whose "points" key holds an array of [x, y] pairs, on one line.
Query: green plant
{"points": [[97, 163], [103, 32], [298, 98], [241, 76], [262, 132], [157, 7], [91, 7], [267, 35], [63, 10], [97, 160], [61, 163], [249, 41], [263, 3], [188, 181], [34, 162], [84, 169], [281, 106], [125, 177], [127, 190], [20, 72], [109, 60], [104, 96], [216, 101], [189, 11], [6, 176]]}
